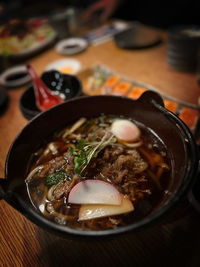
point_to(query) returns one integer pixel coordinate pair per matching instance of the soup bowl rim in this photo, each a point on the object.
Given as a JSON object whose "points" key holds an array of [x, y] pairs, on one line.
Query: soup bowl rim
{"points": [[38, 218]]}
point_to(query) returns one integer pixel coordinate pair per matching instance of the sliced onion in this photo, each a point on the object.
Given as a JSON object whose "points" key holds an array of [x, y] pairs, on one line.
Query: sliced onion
{"points": [[74, 127], [133, 145], [33, 172], [50, 192]]}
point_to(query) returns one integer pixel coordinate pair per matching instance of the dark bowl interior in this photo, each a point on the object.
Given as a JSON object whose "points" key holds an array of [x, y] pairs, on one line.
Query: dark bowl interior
{"points": [[27, 101], [148, 109]]}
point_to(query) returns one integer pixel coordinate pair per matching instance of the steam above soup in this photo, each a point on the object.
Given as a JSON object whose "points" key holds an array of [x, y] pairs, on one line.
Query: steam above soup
{"points": [[99, 173]]}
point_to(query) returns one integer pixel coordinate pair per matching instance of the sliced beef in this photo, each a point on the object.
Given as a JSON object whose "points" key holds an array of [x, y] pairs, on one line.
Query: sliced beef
{"points": [[112, 152], [124, 162], [61, 189], [139, 164], [100, 132], [70, 162], [64, 188], [51, 166], [66, 160], [125, 166]]}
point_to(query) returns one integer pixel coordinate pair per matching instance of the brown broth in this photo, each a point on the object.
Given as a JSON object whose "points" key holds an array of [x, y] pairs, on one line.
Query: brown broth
{"points": [[67, 214]]}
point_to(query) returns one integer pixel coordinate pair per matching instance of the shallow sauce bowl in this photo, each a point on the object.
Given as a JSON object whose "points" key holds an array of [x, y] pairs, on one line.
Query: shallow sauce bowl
{"points": [[148, 109]]}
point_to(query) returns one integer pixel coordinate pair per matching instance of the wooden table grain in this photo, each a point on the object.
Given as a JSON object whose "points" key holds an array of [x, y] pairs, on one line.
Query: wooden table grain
{"points": [[175, 240]]}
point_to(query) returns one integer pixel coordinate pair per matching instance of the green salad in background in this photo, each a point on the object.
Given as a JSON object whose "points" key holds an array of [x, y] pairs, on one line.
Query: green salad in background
{"points": [[18, 36]]}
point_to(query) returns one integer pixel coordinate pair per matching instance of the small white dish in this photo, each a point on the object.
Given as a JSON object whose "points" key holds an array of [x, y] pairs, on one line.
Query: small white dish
{"points": [[15, 76], [65, 66], [71, 46]]}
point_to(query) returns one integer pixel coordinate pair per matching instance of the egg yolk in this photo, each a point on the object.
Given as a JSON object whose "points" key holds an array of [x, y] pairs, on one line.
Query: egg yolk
{"points": [[125, 130], [66, 70]]}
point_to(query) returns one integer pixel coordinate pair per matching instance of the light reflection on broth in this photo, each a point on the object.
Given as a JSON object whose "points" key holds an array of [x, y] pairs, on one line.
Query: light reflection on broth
{"points": [[139, 169]]}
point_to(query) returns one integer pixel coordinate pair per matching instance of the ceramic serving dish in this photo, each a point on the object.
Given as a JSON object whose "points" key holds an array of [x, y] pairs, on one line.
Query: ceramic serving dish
{"points": [[148, 109], [68, 85]]}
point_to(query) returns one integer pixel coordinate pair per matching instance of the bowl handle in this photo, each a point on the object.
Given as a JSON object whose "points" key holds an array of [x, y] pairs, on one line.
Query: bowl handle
{"points": [[10, 197], [2, 192], [150, 96], [194, 194]]}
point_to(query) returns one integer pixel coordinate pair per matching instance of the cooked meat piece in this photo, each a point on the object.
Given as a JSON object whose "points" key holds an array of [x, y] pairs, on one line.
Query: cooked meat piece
{"points": [[133, 162], [100, 132], [65, 187], [122, 166], [107, 154], [124, 162], [120, 176], [70, 162], [115, 221], [52, 206], [68, 156], [129, 188], [61, 189], [139, 164], [110, 173], [51, 166], [100, 223], [111, 153], [114, 175]]}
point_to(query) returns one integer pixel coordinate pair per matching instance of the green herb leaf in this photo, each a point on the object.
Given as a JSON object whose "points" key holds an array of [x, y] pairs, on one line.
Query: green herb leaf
{"points": [[55, 178], [78, 163], [84, 152], [71, 151], [81, 144]]}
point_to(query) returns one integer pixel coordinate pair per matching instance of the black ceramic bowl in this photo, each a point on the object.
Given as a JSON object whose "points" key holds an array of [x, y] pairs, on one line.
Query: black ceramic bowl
{"points": [[148, 109], [138, 36], [183, 47], [68, 85]]}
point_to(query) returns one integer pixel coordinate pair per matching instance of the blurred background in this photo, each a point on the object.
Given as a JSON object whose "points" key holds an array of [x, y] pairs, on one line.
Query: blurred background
{"points": [[161, 14]]}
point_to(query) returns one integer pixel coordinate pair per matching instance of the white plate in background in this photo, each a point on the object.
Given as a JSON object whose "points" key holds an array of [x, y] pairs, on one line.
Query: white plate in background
{"points": [[71, 46], [65, 66], [17, 70]]}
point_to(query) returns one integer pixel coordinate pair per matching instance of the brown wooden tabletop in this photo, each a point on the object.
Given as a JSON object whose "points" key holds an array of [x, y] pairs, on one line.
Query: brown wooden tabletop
{"points": [[173, 241]]}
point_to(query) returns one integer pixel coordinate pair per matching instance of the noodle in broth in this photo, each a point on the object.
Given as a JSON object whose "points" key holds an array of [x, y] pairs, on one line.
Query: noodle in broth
{"points": [[139, 169]]}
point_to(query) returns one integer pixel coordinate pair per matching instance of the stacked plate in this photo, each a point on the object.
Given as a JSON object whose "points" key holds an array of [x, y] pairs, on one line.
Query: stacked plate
{"points": [[183, 47]]}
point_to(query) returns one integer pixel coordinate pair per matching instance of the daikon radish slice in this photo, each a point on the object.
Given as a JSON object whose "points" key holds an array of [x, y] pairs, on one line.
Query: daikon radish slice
{"points": [[89, 211]]}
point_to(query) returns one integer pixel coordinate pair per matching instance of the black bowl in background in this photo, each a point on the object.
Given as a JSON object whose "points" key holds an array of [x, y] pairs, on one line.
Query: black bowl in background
{"points": [[69, 86], [148, 109], [183, 47], [138, 36]]}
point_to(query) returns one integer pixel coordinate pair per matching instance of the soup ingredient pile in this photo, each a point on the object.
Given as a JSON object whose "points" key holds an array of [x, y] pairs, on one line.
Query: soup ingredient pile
{"points": [[98, 174]]}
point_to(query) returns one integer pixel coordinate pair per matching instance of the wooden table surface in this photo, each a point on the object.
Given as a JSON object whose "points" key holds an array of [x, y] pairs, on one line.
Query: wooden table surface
{"points": [[178, 240]]}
